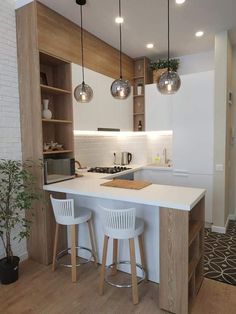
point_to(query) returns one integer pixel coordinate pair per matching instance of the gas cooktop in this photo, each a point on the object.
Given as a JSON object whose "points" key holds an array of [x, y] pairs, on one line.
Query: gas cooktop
{"points": [[110, 170]]}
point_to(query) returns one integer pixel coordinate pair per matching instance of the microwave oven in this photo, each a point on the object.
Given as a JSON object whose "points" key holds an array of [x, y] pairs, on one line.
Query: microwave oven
{"points": [[60, 169]]}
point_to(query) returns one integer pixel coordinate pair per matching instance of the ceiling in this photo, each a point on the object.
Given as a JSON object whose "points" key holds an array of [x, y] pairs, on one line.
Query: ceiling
{"points": [[146, 21]]}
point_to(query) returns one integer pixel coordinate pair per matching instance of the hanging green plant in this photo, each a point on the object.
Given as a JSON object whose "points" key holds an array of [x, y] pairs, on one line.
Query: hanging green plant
{"points": [[163, 64]]}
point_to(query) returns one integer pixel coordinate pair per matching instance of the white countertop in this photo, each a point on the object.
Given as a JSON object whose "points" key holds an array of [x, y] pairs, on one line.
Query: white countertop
{"points": [[182, 198]]}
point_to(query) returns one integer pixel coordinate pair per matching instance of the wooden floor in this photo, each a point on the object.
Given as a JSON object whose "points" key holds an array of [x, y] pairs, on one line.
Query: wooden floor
{"points": [[40, 291]]}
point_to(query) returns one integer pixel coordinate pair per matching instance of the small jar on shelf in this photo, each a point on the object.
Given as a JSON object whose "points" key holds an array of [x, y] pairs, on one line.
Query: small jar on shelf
{"points": [[140, 126]]}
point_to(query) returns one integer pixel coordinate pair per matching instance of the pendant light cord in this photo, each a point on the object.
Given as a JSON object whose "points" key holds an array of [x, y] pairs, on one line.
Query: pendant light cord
{"points": [[121, 74], [168, 35], [82, 41]]}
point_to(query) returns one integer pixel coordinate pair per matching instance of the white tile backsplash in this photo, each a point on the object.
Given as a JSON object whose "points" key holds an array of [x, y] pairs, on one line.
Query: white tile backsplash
{"points": [[10, 137], [98, 150]]}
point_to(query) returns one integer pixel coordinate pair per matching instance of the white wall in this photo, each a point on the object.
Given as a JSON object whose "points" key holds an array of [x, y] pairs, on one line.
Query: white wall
{"points": [[93, 150], [103, 111], [10, 137], [198, 62], [220, 203], [233, 145]]}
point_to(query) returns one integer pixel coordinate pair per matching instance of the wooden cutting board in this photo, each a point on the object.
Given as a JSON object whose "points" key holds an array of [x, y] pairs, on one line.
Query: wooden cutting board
{"points": [[127, 184]]}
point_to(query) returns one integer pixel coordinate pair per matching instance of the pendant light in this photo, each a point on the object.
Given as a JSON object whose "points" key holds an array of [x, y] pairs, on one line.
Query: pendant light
{"points": [[120, 89], [83, 93], [169, 82]]}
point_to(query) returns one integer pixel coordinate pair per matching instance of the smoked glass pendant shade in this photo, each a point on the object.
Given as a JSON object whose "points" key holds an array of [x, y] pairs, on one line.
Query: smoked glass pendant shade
{"points": [[169, 83], [120, 89], [83, 93]]}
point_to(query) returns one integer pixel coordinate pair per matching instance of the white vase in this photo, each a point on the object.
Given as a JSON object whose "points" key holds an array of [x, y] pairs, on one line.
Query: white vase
{"points": [[47, 114]]}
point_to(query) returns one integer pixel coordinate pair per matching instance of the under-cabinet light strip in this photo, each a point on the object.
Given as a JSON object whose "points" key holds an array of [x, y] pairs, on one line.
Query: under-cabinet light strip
{"points": [[122, 133]]}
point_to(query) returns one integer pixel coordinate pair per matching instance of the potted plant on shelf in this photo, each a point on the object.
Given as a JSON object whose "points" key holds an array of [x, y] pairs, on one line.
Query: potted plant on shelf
{"points": [[17, 193], [161, 66]]}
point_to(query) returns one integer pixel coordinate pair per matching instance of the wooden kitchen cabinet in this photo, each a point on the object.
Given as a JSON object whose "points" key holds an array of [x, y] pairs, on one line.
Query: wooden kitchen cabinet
{"points": [[35, 130]]}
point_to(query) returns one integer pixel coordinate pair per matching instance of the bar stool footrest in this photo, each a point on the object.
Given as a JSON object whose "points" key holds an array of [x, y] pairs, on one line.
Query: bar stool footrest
{"points": [[63, 253], [124, 285]]}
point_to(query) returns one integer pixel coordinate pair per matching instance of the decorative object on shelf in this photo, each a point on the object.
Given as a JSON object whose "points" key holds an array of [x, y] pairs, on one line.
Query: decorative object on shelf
{"points": [[83, 93], [18, 191], [47, 114], [230, 97], [43, 78], [120, 88], [139, 89], [140, 126], [169, 82], [161, 66], [52, 146]]}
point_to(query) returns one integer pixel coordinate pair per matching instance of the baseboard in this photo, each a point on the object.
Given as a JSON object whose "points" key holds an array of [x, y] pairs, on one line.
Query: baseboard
{"points": [[232, 216], [23, 256], [223, 229]]}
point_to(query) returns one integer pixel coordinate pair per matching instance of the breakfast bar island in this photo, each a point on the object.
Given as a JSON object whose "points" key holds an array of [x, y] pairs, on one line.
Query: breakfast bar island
{"points": [[173, 236]]}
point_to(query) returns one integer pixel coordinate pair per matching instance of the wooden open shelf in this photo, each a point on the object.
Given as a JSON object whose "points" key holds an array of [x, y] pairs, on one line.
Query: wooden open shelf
{"points": [[53, 90], [141, 95], [137, 113], [192, 266], [142, 76], [57, 152], [56, 121], [194, 228], [138, 77]]}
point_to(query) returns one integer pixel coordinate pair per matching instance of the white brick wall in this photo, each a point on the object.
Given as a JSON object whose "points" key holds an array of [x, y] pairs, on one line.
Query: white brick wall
{"points": [[98, 150], [10, 137]]}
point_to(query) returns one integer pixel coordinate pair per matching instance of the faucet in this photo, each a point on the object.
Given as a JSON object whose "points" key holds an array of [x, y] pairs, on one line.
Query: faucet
{"points": [[166, 160], [79, 164]]}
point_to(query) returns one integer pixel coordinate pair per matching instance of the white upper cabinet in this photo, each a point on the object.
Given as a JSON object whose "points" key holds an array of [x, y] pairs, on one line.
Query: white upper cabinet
{"points": [[158, 110], [193, 118], [103, 111]]}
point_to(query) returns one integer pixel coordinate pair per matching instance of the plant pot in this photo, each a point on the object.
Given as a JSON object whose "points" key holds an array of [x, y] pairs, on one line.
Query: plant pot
{"points": [[9, 271], [157, 74]]}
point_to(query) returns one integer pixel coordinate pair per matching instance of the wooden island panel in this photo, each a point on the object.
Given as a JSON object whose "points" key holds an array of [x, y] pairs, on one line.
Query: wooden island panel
{"points": [[181, 257]]}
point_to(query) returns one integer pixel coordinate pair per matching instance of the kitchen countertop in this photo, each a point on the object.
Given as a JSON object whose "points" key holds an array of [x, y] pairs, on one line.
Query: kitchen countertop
{"points": [[176, 197]]}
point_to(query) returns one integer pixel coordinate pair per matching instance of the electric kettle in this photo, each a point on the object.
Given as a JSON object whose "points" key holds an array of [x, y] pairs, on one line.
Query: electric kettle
{"points": [[126, 158]]}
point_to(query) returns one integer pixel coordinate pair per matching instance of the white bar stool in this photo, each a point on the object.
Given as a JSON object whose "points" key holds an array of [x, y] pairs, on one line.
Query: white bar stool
{"points": [[122, 224], [67, 214]]}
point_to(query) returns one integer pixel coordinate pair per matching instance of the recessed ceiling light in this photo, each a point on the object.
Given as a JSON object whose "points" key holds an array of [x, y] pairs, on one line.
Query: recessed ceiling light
{"points": [[199, 34], [149, 46], [180, 1], [119, 19]]}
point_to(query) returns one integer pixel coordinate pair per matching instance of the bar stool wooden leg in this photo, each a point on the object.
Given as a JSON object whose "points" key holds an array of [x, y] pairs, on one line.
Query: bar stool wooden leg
{"points": [[103, 269], [73, 252], [133, 272], [92, 240], [55, 248], [142, 253], [114, 258]]}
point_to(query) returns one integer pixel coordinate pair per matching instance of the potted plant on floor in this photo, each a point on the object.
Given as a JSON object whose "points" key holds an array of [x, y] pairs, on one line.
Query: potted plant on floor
{"points": [[17, 194], [161, 66]]}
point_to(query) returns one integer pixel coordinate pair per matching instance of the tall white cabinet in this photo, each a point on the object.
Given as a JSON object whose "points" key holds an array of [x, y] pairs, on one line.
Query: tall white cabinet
{"points": [[190, 114], [158, 110]]}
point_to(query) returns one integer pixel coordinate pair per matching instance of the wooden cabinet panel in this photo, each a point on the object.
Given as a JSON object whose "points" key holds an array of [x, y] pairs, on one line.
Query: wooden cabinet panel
{"points": [[61, 38]]}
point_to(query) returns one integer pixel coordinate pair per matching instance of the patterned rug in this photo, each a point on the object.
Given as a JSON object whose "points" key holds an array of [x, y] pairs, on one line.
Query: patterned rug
{"points": [[220, 255]]}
